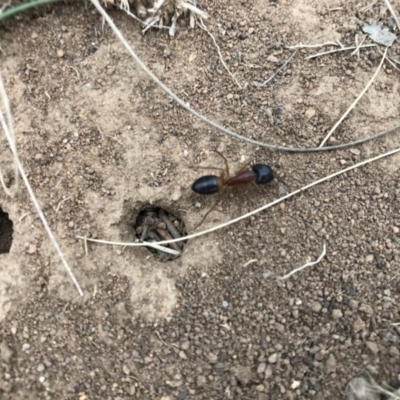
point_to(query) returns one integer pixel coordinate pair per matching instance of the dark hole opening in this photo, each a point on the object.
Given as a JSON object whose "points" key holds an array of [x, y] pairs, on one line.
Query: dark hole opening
{"points": [[6, 232], [154, 224]]}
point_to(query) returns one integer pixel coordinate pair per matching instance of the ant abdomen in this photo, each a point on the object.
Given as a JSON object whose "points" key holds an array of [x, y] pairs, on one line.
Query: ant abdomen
{"points": [[208, 184]]}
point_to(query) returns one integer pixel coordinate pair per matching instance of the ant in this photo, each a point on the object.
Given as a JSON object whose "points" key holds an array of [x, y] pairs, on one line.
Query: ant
{"points": [[211, 184]]}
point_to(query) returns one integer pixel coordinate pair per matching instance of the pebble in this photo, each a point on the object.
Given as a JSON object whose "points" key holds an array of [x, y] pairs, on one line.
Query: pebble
{"points": [[185, 345], [268, 372], [337, 314], [71, 224], [273, 358], [394, 351], [272, 58], [60, 53], [201, 380], [354, 207], [310, 113], [38, 156], [295, 384], [372, 347], [182, 355], [261, 368], [331, 364], [40, 368], [260, 388], [212, 358], [316, 306], [225, 304], [369, 258], [395, 229], [358, 325], [26, 347]]}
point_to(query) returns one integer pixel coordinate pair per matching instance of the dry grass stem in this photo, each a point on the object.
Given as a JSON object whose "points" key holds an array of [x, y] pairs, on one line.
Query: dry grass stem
{"points": [[310, 264], [279, 69], [312, 46], [269, 205], [324, 53], [9, 133], [202, 25], [395, 16], [355, 101], [214, 124]]}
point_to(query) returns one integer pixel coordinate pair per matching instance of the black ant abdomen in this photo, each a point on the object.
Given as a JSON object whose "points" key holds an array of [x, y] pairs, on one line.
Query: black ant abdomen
{"points": [[208, 184]]}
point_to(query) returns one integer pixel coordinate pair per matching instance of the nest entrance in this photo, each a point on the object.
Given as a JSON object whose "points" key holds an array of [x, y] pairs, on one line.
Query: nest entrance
{"points": [[154, 224], [6, 232]]}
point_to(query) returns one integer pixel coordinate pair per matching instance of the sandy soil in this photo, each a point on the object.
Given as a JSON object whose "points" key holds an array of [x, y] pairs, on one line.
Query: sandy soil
{"points": [[99, 142]]}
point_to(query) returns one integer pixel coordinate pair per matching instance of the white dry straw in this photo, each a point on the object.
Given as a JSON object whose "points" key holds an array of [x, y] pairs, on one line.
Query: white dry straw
{"points": [[269, 205], [8, 131]]}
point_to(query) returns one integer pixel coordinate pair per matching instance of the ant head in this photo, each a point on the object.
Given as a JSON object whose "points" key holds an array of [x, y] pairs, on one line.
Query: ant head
{"points": [[264, 173]]}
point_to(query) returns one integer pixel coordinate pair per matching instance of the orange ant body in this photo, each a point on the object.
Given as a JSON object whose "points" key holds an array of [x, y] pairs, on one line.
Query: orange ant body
{"points": [[210, 184]]}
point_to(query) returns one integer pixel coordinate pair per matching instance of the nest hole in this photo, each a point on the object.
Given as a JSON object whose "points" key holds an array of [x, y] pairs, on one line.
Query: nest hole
{"points": [[6, 232], [155, 224]]}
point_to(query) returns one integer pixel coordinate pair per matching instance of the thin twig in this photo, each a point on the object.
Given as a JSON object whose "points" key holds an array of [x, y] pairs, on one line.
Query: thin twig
{"points": [[9, 133], [355, 101], [214, 124], [219, 53], [396, 18], [310, 264], [269, 205], [342, 49], [279, 69], [312, 46]]}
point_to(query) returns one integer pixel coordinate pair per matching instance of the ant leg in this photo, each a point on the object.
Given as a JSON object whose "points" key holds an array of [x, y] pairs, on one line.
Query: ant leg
{"points": [[226, 163], [222, 195]]}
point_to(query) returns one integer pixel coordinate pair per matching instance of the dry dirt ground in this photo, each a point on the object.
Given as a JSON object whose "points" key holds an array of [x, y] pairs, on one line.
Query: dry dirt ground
{"points": [[100, 141]]}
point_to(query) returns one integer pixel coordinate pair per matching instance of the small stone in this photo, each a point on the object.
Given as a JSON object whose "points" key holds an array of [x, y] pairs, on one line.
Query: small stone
{"points": [[395, 229], [367, 310], [251, 30], [261, 368], [34, 35], [372, 347], [26, 347], [310, 113], [295, 385], [42, 379], [201, 380], [369, 258], [316, 306], [377, 190], [40, 368], [356, 152], [331, 364], [337, 314], [260, 388], [71, 224], [354, 207], [126, 370], [182, 355], [5, 352], [343, 162], [32, 249], [229, 96], [60, 53], [358, 325], [225, 304], [185, 345], [268, 372], [272, 58], [212, 358], [273, 358], [394, 351], [38, 156]]}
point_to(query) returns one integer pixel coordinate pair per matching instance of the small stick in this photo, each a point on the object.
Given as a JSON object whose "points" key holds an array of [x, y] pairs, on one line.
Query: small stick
{"points": [[396, 18], [166, 236], [342, 49], [279, 69], [310, 264], [171, 227], [355, 101], [312, 46]]}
